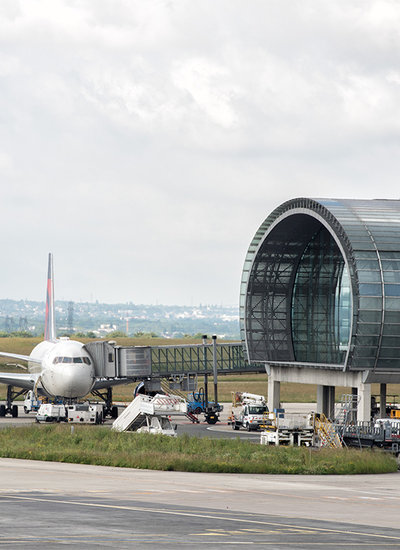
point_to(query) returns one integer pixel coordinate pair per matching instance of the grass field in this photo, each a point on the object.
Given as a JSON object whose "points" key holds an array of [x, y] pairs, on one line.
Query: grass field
{"points": [[101, 446], [253, 383]]}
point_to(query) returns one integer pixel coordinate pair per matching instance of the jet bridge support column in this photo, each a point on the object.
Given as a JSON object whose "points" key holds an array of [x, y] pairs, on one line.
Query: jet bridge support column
{"points": [[274, 390], [364, 404], [326, 400], [382, 410]]}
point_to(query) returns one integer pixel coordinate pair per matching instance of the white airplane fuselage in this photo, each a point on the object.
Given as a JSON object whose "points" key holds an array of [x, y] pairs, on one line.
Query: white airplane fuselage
{"points": [[66, 368]]}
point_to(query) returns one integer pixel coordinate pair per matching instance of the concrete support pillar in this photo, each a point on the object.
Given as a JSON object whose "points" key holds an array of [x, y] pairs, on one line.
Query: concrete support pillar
{"points": [[382, 413], [320, 399], [354, 393], [274, 391], [326, 400], [330, 398], [364, 405]]}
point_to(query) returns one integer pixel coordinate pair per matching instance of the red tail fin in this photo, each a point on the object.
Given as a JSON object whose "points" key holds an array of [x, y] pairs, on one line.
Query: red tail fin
{"points": [[50, 325]]}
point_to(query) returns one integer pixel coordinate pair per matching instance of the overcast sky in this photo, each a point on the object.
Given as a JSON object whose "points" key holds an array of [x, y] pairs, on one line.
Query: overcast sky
{"points": [[144, 141]]}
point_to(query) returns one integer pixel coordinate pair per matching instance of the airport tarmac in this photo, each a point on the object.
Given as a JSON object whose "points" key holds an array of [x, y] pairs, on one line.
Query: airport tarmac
{"points": [[98, 507]]}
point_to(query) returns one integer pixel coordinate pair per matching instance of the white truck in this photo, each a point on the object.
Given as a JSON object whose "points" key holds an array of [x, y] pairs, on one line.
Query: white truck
{"points": [[249, 411], [297, 430], [85, 413], [78, 413]]}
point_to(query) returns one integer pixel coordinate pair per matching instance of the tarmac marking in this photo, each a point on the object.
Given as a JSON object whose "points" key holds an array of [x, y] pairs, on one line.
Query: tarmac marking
{"points": [[207, 490], [221, 542], [205, 516]]}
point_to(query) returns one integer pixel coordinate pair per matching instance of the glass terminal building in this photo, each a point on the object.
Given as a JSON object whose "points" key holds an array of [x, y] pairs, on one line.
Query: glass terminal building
{"points": [[320, 296]]}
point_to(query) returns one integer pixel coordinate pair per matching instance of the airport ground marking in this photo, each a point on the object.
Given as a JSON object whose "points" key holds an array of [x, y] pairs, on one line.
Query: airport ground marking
{"points": [[208, 542], [199, 515]]}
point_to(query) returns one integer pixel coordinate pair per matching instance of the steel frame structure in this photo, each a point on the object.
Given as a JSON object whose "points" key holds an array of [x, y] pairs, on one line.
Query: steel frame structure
{"points": [[198, 359], [289, 308]]}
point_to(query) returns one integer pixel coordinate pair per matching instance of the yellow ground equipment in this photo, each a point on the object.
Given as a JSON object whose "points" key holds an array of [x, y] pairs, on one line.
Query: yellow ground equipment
{"points": [[326, 432]]}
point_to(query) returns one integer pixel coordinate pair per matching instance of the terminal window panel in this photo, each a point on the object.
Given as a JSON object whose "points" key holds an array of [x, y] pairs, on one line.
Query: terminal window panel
{"points": [[321, 303]]}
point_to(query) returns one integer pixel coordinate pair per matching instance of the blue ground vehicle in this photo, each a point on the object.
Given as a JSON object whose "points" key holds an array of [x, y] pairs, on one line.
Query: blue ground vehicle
{"points": [[197, 404]]}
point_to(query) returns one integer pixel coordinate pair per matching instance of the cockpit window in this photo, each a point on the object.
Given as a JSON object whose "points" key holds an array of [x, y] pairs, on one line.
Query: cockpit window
{"points": [[71, 360]]}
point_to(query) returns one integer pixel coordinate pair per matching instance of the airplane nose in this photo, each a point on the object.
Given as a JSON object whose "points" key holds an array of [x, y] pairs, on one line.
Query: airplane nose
{"points": [[64, 380]]}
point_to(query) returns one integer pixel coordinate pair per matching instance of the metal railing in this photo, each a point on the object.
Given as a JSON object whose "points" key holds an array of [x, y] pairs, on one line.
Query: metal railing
{"points": [[327, 433], [198, 358]]}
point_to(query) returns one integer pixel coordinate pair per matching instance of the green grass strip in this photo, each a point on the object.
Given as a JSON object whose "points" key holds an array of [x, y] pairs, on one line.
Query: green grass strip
{"points": [[101, 446]]}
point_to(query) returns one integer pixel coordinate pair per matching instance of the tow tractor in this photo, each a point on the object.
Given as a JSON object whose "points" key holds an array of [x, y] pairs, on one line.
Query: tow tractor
{"points": [[249, 411], [198, 404], [85, 413], [51, 412]]}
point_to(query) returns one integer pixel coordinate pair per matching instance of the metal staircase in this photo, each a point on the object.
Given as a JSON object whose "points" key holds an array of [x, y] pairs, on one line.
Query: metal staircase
{"points": [[347, 411], [327, 433], [134, 416], [166, 389]]}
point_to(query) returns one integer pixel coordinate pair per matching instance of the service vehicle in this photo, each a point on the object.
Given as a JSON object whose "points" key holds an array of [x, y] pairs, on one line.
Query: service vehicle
{"points": [[381, 432], [158, 425], [50, 412], [150, 414], [85, 413], [291, 430], [198, 404], [249, 411], [31, 402]]}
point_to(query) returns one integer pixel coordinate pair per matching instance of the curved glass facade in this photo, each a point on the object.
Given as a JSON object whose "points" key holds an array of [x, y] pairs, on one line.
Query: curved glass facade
{"points": [[318, 315], [321, 285]]}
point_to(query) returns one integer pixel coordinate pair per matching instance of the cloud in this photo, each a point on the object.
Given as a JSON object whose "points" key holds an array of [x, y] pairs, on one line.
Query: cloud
{"points": [[144, 142]]}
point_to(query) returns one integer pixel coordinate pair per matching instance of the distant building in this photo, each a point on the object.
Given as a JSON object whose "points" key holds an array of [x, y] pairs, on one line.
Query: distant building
{"points": [[105, 329]]}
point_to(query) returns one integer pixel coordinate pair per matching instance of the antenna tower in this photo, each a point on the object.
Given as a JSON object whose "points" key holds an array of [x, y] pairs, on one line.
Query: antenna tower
{"points": [[70, 321]]}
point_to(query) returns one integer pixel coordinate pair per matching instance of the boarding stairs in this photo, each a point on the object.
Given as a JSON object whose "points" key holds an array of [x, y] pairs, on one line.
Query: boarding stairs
{"points": [[347, 410], [327, 433], [166, 389], [135, 414]]}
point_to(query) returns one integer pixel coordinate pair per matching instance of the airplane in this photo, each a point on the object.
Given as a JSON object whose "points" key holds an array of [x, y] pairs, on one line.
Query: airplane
{"points": [[58, 368]]}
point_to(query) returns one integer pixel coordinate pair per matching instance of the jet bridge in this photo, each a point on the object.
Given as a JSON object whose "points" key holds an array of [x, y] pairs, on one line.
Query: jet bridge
{"points": [[111, 361], [177, 362]]}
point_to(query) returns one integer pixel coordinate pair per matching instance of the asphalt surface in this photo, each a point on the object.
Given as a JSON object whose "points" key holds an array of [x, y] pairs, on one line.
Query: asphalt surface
{"points": [[126, 523], [83, 506], [80, 506]]}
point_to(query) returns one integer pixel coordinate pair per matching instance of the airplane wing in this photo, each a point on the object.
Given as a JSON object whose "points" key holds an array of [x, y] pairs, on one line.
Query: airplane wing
{"points": [[20, 357], [102, 383], [25, 380]]}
